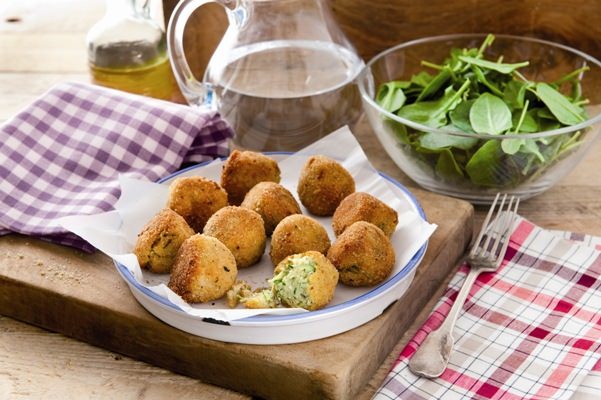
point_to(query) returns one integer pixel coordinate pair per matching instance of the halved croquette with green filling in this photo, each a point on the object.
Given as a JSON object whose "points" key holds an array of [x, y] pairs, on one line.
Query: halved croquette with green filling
{"points": [[306, 280]]}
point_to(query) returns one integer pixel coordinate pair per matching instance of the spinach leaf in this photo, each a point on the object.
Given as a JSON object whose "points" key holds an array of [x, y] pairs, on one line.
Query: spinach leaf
{"points": [[495, 66], [482, 79], [422, 79], [490, 115], [529, 124], [485, 167], [433, 113], [398, 130], [530, 147], [435, 141], [512, 146], [515, 93], [391, 96], [435, 84], [565, 112], [526, 146], [460, 116], [447, 167]]}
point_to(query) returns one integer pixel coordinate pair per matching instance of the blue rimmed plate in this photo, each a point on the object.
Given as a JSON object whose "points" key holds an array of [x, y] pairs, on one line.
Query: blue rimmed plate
{"points": [[351, 307]]}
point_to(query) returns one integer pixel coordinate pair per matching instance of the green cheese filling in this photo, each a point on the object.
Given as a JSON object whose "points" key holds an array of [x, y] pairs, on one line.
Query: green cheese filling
{"points": [[291, 284]]}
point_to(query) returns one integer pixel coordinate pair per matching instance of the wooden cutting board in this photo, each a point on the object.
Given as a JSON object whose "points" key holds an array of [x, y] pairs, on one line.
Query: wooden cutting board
{"points": [[82, 296]]}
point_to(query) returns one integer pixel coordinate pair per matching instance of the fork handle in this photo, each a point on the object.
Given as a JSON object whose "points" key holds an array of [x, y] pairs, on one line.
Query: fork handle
{"points": [[431, 358]]}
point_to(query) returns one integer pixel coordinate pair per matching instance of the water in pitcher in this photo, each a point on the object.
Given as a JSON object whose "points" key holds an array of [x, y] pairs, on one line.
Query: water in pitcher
{"points": [[284, 95]]}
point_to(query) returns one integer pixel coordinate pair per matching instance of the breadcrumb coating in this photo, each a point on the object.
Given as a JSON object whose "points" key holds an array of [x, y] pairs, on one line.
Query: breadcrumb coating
{"points": [[362, 254], [273, 202], [241, 231], [204, 270], [360, 206], [322, 185], [157, 244], [243, 170], [296, 234], [196, 198]]}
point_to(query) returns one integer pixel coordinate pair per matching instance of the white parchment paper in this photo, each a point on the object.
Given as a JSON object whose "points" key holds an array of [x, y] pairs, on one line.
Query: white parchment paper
{"points": [[115, 232]]}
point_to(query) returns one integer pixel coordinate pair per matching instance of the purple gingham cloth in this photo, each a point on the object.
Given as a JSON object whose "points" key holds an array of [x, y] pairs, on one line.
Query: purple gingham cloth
{"points": [[63, 154]]}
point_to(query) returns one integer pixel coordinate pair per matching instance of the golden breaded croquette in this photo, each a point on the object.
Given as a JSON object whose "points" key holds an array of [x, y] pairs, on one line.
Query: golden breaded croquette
{"points": [[243, 170], [273, 202], [160, 239], [297, 233], [241, 231], [204, 269], [362, 254], [307, 280], [196, 198], [322, 185], [360, 206]]}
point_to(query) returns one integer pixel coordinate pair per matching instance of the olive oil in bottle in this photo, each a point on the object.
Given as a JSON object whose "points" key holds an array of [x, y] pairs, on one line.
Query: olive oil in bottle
{"points": [[127, 51]]}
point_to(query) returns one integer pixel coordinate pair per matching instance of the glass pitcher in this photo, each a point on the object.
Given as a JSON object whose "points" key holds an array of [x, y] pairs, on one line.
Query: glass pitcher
{"points": [[127, 51], [283, 75]]}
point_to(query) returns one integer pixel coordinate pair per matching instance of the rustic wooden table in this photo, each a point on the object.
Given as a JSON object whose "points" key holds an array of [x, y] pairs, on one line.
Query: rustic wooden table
{"points": [[40, 46]]}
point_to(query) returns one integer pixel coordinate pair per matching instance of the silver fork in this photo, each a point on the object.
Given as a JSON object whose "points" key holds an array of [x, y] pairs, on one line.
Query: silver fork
{"points": [[431, 359]]}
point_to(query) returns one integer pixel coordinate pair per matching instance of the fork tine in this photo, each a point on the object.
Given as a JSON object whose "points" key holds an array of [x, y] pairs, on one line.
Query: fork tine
{"points": [[493, 226], [504, 225], [513, 217], [476, 244]]}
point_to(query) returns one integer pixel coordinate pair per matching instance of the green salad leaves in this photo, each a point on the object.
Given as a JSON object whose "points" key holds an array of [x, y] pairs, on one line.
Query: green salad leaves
{"points": [[470, 95]]}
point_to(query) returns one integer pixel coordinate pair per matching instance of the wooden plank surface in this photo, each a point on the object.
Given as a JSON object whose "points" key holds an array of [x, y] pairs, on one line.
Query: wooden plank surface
{"points": [[82, 296], [37, 364]]}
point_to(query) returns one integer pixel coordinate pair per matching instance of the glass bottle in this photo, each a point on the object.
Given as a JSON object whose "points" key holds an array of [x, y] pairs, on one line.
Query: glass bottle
{"points": [[127, 51]]}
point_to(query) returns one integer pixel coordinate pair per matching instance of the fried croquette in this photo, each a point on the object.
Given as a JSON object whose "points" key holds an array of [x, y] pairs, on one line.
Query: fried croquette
{"points": [[273, 202], [243, 170], [196, 198], [322, 185], [362, 254], [204, 269], [241, 231], [306, 280], [159, 241], [296, 234], [360, 206]]}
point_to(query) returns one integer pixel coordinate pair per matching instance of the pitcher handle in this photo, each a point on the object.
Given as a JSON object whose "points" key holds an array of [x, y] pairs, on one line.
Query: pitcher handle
{"points": [[195, 91]]}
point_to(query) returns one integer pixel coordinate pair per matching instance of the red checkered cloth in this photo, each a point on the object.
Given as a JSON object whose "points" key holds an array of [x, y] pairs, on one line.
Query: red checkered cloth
{"points": [[530, 330]]}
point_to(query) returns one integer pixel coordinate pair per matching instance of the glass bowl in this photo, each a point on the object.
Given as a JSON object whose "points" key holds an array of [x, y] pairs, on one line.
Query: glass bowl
{"points": [[525, 173]]}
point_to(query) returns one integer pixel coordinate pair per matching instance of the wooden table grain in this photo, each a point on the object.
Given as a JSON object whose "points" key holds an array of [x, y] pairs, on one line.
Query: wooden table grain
{"points": [[42, 43]]}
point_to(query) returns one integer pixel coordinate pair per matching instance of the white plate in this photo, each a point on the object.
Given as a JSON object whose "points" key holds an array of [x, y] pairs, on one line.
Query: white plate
{"points": [[353, 307]]}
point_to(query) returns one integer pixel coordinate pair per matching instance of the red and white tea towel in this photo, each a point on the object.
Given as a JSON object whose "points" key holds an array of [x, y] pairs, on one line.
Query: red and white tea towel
{"points": [[530, 330]]}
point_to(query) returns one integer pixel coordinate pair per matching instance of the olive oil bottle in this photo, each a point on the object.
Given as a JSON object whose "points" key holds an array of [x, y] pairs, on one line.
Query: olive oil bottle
{"points": [[127, 51]]}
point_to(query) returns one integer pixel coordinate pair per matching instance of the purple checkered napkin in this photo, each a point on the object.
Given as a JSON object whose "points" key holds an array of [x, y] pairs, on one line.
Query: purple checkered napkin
{"points": [[63, 154]]}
